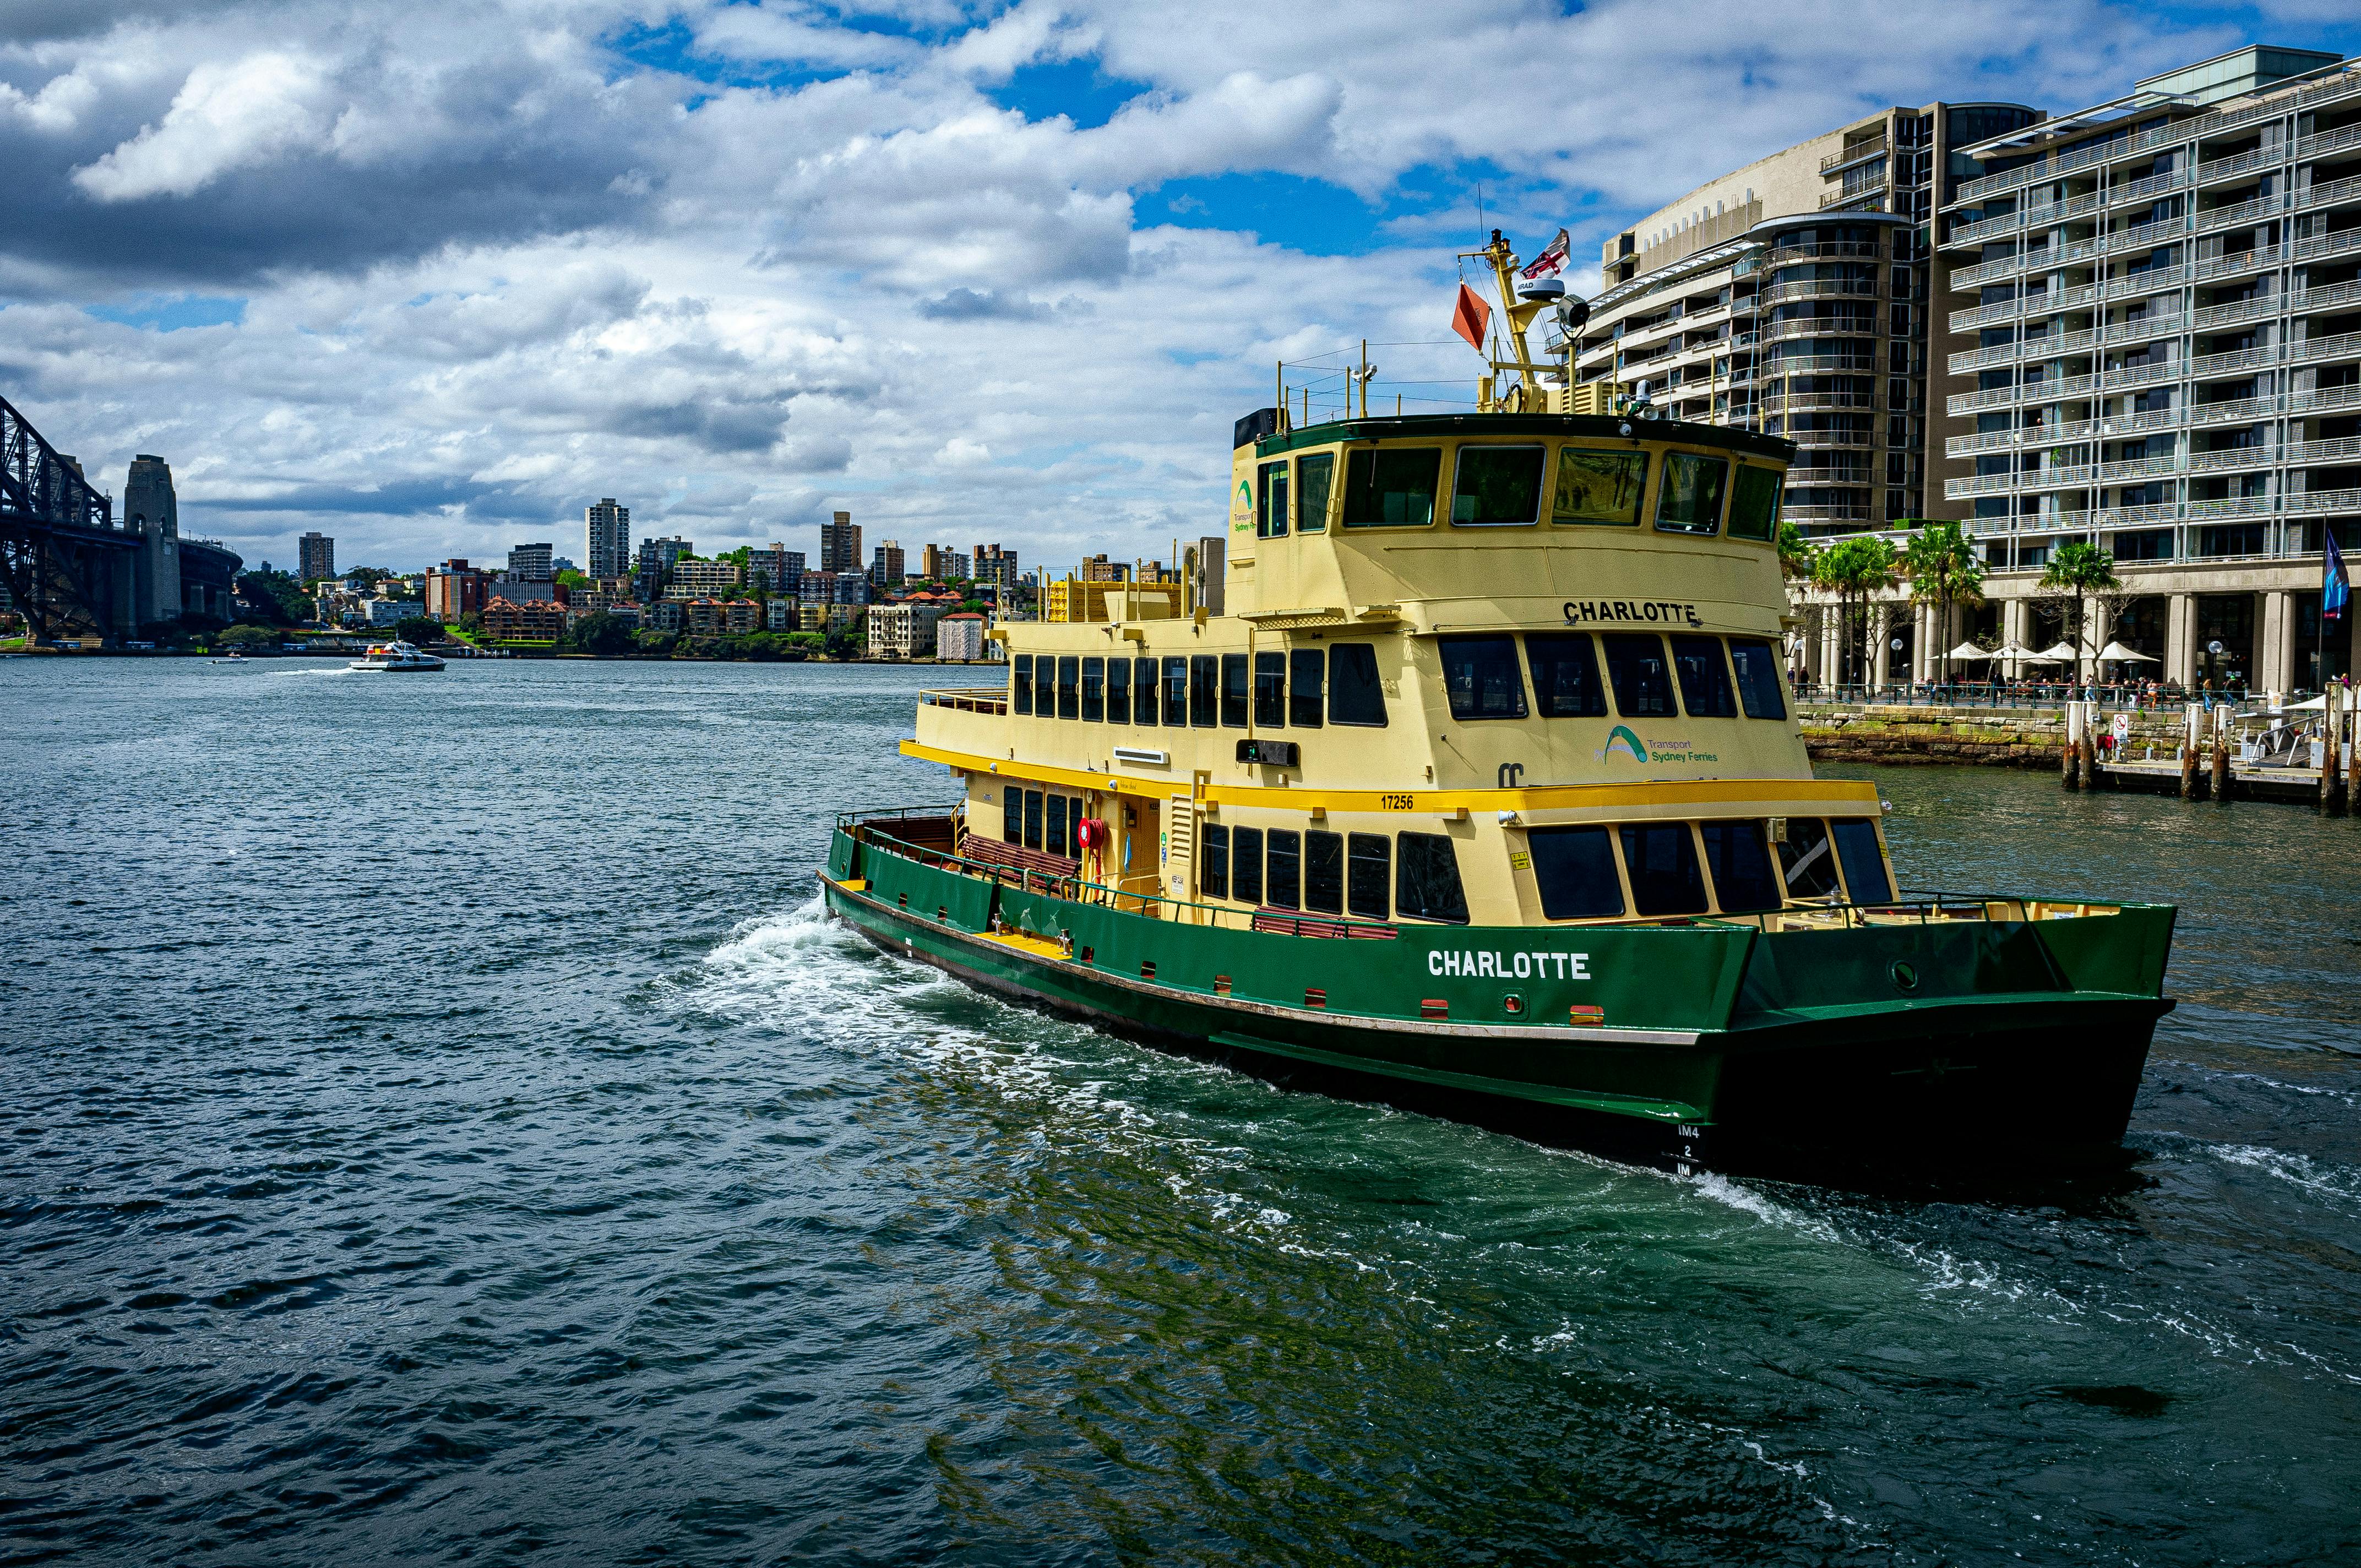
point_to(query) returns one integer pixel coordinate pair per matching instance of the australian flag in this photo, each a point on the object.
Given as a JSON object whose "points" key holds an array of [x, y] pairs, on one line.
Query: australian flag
{"points": [[2336, 583]]}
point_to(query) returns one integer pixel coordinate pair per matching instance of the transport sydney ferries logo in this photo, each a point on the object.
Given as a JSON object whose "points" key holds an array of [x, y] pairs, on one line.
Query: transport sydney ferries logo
{"points": [[1621, 741], [1622, 738], [1242, 508]]}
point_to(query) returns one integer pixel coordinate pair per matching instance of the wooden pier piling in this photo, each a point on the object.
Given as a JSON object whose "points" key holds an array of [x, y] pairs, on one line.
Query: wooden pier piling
{"points": [[2076, 739], [2188, 782], [2332, 778], [2220, 785]]}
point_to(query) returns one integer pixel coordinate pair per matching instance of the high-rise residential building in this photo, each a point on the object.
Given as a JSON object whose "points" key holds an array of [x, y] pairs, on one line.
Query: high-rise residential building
{"points": [[780, 568], [315, 556], [455, 590], [995, 565], [1099, 569], [840, 544], [655, 564], [2153, 336], [1790, 297], [834, 587], [530, 562], [607, 545], [886, 567], [694, 579]]}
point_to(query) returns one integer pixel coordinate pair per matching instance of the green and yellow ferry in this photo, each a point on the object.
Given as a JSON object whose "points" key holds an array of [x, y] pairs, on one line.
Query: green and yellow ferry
{"points": [[1475, 771]]}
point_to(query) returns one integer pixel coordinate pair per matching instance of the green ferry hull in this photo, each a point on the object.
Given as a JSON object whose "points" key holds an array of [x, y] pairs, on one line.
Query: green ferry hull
{"points": [[1706, 1045]]}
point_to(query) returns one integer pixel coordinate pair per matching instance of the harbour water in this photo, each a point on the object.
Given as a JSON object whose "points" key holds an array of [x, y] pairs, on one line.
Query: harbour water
{"points": [[435, 1127]]}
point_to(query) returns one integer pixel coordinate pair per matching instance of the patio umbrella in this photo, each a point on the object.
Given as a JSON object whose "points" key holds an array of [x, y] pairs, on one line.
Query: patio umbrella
{"points": [[2122, 654], [1969, 651], [2014, 651], [2059, 653]]}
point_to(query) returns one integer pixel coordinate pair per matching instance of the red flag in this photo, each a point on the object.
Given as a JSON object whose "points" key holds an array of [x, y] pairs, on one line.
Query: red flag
{"points": [[1471, 318]]}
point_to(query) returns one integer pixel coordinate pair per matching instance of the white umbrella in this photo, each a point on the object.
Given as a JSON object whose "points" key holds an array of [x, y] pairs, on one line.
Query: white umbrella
{"points": [[2059, 653], [2014, 651], [1969, 651], [2122, 654], [2317, 702]]}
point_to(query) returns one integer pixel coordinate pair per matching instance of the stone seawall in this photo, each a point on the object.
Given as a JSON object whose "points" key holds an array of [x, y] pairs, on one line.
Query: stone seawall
{"points": [[1983, 737]]}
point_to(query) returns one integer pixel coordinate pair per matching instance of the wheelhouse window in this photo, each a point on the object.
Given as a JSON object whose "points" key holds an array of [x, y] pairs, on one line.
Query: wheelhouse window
{"points": [[1213, 866], [1758, 677], [1705, 678], [1598, 487], [1573, 871], [1738, 857], [1284, 886], [1498, 486], [1021, 678], [1306, 675], [1754, 502], [1323, 873], [1270, 690], [1481, 678], [1205, 689], [1234, 691], [1315, 479], [1094, 691], [1143, 675], [1807, 863], [1391, 487], [1069, 688], [1688, 499], [1245, 865], [1661, 859], [1355, 695], [1118, 691], [1176, 693], [1369, 874], [1426, 879], [1270, 502], [1864, 862], [1636, 668], [1565, 674]]}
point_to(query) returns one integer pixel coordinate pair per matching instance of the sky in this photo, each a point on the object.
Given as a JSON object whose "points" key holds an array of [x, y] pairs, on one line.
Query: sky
{"points": [[432, 275]]}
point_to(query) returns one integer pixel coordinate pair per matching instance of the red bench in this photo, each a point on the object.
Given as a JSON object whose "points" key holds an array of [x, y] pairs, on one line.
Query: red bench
{"points": [[1292, 923]]}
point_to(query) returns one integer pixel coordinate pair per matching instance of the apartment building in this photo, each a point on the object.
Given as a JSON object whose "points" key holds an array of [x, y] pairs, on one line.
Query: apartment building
{"points": [[959, 637], [903, 630], [840, 544], [2153, 339], [531, 563], [315, 554], [607, 538], [781, 569], [455, 591], [1790, 297], [886, 567], [699, 579], [995, 565]]}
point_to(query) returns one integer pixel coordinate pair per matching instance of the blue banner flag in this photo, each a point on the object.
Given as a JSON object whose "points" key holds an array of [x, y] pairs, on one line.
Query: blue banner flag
{"points": [[2336, 583]]}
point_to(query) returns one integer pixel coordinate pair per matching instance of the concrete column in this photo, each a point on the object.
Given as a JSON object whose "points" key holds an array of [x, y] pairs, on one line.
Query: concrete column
{"points": [[1831, 647], [2013, 618], [2275, 644], [1881, 627], [2179, 639]]}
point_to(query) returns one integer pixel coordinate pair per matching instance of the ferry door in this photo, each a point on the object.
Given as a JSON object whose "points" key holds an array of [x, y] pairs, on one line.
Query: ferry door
{"points": [[1140, 824]]}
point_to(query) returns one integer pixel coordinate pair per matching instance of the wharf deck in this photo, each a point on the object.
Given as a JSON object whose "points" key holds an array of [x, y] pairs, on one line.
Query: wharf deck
{"points": [[2161, 775]]}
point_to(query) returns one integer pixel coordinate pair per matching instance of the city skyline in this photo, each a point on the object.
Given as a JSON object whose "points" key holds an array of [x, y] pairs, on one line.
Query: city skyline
{"points": [[908, 318]]}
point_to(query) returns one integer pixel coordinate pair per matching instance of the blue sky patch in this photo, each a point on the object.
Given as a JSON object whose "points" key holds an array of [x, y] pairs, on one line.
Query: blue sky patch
{"points": [[1077, 89], [170, 312]]}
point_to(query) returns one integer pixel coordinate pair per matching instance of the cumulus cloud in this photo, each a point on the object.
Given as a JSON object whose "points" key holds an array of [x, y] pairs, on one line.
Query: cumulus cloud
{"points": [[225, 117]]}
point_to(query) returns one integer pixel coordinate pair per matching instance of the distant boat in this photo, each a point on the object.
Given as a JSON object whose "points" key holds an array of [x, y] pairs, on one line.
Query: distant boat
{"points": [[235, 658], [395, 658]]}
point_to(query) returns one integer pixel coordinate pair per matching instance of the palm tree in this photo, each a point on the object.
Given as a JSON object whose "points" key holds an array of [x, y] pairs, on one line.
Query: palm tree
{"points": [[2077, 569], [1943, 570], [1853, 569]]}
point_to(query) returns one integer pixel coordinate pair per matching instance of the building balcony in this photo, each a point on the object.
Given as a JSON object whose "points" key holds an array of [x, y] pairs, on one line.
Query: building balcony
{"points": [[2240, 214], [2148, 187], [1867, 198], [1858, 152], [1823, 288], [2232, 458]]}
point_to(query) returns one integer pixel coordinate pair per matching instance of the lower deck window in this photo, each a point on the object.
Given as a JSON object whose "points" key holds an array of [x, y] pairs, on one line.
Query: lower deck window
{"points": [[1369, 874], [1213, 865], [1245, 865], [1204, 683], [1738, 857], [1758, 677], [1323, 873], [1021, 674], [1354, 693], [1284, 888], [1118, 693], [1662, 861], [1806, 859], [1705, 678], [1053, 832], [1176, 693], [1864, 864], [1426, 879], [1143, 676], [1481, 678], [1636, 669], [1012, 816], [1234, 691], [1574, 870]]}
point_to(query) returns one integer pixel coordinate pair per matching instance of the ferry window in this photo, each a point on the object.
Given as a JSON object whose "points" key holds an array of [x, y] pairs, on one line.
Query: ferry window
{"points": [[1143, 677], [1806, 860], [1245, 861], [1094, 690], [1705, 679], [1286, 864], [1011, 815], [1598, 487], [1204, 683], [1314, 477], [1118, 701], [1368, 871], [1864, 866], [1661, 859], [1498, 486], [1426, 879], [1270, 502], [1758, 677], [1565, 674], [1032, 818], [1354, 695], [1740, 861], [1069, 688], [1573, 871], [1323, 873], [1024, 677], [1391, 489], [1234, 691], [1213, 866], [1636, 668], [1481, 677], [1270, 690], [1754, 504], [1688, 499], [1053, 830], [1176, 692], [1306, 674]]}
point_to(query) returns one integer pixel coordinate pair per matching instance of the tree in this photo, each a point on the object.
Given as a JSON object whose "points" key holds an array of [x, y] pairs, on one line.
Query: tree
{"points": [[1795, 553], [1853, 569], [1943, 570], [2078, 569], [417, 628], [600, 635]]}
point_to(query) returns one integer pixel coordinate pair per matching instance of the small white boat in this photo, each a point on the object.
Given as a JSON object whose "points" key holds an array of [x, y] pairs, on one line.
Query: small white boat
{"points": [[395, 658], [235, 658]]}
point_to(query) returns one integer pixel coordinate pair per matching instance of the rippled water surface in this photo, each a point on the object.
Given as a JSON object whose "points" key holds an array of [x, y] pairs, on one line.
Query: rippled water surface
{"points": [[437, 1125]]}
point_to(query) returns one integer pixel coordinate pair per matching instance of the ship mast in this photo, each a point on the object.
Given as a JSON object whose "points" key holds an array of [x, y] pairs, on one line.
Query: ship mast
{"points": [[1520, 314]]}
